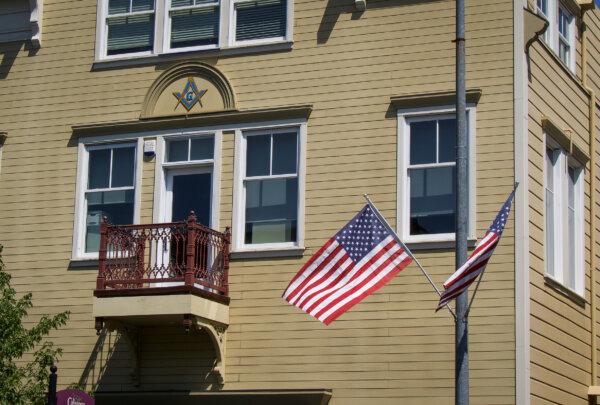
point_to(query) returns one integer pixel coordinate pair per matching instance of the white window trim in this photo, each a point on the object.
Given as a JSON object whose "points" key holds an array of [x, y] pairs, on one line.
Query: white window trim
{"points": [[561, 256], [403, 193], [159, 213], [239, 195], [162, 32], [78, 249], [551, 37]]}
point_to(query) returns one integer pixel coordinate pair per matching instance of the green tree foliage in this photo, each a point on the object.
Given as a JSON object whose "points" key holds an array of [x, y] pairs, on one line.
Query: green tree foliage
{"points": [[24, 381]]}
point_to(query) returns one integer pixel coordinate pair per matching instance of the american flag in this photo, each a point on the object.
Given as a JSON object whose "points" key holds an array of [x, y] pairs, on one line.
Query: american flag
{"points": [[363, 256], [475, 265]]}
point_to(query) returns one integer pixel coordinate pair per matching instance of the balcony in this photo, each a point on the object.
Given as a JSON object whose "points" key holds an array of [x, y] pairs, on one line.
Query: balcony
{"points": [[163, 274]]}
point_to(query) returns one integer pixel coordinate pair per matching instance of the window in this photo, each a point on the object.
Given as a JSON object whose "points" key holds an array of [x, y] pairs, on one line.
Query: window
{"points": [[269, 196], [560, 35], [106, 187], [427, 175], [190, 149], [129, 28], [565, 20], [542, 9], [564, 218]]}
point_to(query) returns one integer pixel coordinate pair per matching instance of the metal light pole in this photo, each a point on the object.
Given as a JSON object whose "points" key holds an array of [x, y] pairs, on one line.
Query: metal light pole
{"points": [[462, 212]]}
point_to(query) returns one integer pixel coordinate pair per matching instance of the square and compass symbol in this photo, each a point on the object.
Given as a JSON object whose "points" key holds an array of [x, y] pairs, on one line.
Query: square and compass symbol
{"points": [[190, 95]]}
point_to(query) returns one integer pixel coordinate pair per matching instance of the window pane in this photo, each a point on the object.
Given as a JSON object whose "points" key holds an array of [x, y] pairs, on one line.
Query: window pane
{"points": [[571, 253], [271, 211], [260, 19], [99, 168], [285, 153], [123, 166], [447, 152], [182, 3], [432, 201], [142, 5], [257, 155], [550, 232], [130, 34], [194, 27], [202, 148], [177, 151], [422, 142], [572, 182], [117, 206], [118, 6]]}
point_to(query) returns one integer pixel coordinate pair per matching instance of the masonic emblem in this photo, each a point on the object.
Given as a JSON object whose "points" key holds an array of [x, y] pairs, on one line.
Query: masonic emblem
{"points": [[190, 95]]}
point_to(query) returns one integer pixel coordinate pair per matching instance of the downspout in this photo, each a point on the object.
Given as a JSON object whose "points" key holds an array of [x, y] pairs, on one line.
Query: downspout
{"points": [[592, 143]]}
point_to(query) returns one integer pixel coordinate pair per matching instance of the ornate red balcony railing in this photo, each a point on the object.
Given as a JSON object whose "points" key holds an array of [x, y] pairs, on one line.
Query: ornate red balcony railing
{"points": [[163, 255]]}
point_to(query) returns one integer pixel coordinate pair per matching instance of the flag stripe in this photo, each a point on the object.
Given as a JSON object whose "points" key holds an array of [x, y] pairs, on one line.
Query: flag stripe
{"points": [[380, 255], [362, 282], [352, 272], [309, 267], [379, 281], [485, 242], [325, 266], [335, 275]]}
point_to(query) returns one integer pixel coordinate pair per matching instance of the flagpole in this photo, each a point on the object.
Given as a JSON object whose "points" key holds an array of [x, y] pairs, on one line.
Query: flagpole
{"points": [[389, 228]]}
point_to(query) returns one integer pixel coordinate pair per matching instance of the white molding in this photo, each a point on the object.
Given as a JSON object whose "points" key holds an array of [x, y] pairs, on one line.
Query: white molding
{"points": [[521, 241], [36, 8], [238, 213], [403, 157], [162, 33], [80, 212]]}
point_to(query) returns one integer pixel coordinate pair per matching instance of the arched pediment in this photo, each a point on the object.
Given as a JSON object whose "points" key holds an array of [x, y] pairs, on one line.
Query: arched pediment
{"points": [[190, 88]]}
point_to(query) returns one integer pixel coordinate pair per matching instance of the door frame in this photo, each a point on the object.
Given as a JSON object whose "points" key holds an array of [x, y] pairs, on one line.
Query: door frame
{"points": [[162, 168], [170, 173]]}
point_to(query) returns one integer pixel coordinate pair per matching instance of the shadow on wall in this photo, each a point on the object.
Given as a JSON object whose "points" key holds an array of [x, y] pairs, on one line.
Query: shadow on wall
{"points": [[170, 360], [335, 8], [9, 52]]}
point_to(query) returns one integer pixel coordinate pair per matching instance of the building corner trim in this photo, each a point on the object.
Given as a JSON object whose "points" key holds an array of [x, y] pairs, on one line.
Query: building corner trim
{"points": [[522, 297]]}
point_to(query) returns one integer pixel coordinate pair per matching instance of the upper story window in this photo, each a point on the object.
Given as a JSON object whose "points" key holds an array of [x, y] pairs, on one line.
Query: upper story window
{"points": [[269, 194], [427, 174], [560, 35], [106, 187], [564, 218], [136, 28]]}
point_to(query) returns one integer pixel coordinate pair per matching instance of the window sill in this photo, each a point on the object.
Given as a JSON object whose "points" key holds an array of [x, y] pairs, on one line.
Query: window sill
{"points": [[143, 60], [438, 244], [564, 290], [267, 253], [83, 264]]}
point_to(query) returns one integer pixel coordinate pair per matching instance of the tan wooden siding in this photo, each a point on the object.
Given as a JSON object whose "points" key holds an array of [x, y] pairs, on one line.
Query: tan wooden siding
{"points": [[390, 348], [560, 325]]}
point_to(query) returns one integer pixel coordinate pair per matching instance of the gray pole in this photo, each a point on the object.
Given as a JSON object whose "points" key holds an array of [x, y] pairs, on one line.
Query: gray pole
{"points": [[461, 390]]}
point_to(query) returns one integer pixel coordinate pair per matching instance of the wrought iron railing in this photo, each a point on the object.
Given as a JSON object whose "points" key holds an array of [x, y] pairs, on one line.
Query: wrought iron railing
{"points": [[163, 255]]}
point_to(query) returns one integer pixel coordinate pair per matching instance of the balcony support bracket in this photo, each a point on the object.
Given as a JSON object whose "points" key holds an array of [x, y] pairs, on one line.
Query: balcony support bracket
{"points": [[216, 332], [132, 336]]}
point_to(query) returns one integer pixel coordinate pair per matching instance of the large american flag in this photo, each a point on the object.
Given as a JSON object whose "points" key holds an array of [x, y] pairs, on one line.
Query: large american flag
{"points": [[358, 260], [475, 265]]}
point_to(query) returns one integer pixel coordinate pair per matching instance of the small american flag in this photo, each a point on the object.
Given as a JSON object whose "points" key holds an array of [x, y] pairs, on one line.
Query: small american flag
{"points": [[475, 265], [358, 260]]}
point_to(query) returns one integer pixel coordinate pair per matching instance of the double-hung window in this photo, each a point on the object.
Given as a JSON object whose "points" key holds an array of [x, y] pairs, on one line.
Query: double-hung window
{"points": [[193, 23], [130, 28], [427, 175], [107, 188], [269, 193], [564, 218], [560, 35]]}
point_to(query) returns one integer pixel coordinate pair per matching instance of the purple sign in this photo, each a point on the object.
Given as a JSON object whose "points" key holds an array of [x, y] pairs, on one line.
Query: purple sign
{"points": [[73, 397]]}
